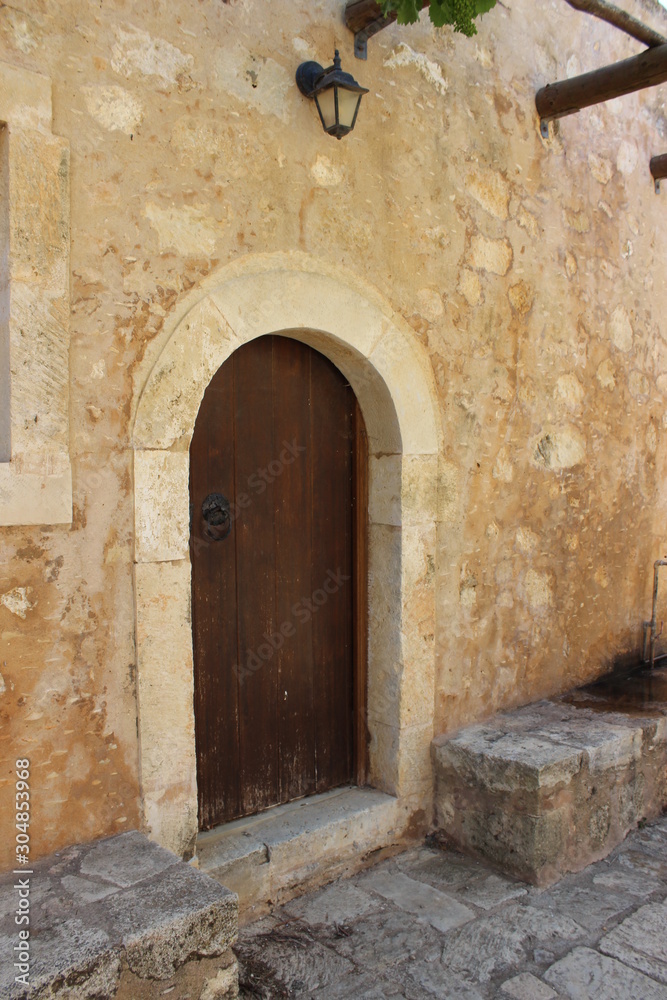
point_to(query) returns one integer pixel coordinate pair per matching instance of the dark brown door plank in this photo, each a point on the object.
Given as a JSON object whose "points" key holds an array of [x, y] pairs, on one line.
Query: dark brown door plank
{"points": [[293, 516], [332, 431], [213, 606], [256, 582], [360, 608]]}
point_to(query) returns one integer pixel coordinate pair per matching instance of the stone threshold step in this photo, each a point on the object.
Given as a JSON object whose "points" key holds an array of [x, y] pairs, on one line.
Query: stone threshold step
{"points": [[119, 918], [276, 854], [549, 788]]}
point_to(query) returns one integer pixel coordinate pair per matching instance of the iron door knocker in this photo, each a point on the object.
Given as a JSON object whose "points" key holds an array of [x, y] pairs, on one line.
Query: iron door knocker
{"points": [[216, 512]]}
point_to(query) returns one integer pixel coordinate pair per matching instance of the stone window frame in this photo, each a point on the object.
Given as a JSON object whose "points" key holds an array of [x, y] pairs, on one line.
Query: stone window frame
{"points": [[35, 469], [391, 374]]}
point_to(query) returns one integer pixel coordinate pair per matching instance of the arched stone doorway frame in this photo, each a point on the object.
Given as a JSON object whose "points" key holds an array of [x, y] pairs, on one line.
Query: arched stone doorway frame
{"points": [[390, 372]]}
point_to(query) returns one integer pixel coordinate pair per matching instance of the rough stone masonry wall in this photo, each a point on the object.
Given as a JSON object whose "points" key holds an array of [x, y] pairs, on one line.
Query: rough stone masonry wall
{"points": [[534, 273]]}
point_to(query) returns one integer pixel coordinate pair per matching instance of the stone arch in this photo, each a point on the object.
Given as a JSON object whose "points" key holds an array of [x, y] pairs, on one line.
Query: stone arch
{"points": [[390, 372]]}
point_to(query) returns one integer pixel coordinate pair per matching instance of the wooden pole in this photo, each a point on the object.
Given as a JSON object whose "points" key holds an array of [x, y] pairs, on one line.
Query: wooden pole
{"points": [[569, 96], [658, 167], [620, 19]]}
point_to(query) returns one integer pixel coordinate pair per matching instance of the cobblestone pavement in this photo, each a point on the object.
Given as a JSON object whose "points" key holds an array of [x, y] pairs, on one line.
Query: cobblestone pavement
{"points": [[431, 923]]}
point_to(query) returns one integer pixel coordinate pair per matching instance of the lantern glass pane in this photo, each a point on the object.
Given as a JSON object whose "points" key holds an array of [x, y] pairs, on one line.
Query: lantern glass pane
{"points": [[347, 106], [327, 105]]}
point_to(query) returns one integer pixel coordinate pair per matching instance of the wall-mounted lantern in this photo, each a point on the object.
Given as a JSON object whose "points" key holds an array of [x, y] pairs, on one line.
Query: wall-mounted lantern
{"points": [[337, 95]]}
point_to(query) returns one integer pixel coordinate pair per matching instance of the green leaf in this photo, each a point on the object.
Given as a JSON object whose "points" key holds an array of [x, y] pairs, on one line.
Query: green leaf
{"points": [[484, 5], [458, 13], [441, 12], [407, 11]]}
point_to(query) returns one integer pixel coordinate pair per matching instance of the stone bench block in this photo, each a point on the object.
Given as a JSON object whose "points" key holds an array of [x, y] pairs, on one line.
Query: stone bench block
{"points": [[550, 788], [120, 918]]}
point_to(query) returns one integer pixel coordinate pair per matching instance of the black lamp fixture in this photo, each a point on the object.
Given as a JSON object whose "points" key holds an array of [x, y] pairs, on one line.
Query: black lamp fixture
{"points": [[337, 95]]}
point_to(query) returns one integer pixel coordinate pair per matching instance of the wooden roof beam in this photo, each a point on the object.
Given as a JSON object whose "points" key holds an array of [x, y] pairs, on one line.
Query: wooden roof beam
{"points": [[620, 19], [566, 97]]}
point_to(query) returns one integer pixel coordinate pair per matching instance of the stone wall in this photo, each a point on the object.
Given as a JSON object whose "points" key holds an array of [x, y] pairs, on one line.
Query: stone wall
{"points": [[531, 271]]}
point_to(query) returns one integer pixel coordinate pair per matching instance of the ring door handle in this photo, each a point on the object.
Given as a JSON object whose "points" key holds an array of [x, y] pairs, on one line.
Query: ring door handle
{"points": [[216, 511]]}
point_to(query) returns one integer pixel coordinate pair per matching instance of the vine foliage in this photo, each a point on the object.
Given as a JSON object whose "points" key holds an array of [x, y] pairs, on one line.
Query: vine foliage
{"points": [[460, 14]]}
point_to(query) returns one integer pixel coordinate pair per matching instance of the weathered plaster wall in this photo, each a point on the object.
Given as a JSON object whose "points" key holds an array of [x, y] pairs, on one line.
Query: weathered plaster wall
{"points": [[533, 273]]}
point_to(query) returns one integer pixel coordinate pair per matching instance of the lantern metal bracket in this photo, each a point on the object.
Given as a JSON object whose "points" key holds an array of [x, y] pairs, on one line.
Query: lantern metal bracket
{"points": [[361, 37], [307, 76], [365, 18]]}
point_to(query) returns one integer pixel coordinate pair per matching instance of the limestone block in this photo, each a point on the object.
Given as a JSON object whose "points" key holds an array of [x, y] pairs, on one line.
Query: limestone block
{"points": [[39, 377], [188, 362], [35, 473], [271, 81], [394, 357], [504, 762], [549, 788], [35, 499], [418, 544], [385, 654], [415, 767], [360, 821], [165, 696], [289, 300], [25, 98], [402, 489], [249, 877], [123, 860], [268, 856], [383, 756], [161, 502], [419, 499], [376, 403], [138, 908], [384, 489], [176, 914], [39, 209], [491, 255]]}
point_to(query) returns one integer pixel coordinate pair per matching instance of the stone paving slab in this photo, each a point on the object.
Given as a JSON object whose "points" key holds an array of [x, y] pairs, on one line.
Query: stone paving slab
{"points": [[641, 941], [525, 986], [584, 974], [335, 905], [426, 903], [435, 979], [494, 944], [596, 907], [384, 934]]}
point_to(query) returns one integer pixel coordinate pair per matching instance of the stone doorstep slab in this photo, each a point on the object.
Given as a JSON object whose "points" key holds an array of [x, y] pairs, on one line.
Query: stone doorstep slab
{"points": [[119, 903], [550, 787], [268, 856]]}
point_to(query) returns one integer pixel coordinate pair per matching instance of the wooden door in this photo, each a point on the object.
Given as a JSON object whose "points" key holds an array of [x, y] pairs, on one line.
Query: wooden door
{"points": [[278, 580]]}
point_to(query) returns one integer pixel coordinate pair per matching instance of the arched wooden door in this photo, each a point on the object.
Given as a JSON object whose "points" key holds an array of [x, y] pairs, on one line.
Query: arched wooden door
{"points": [[278, 515]]}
